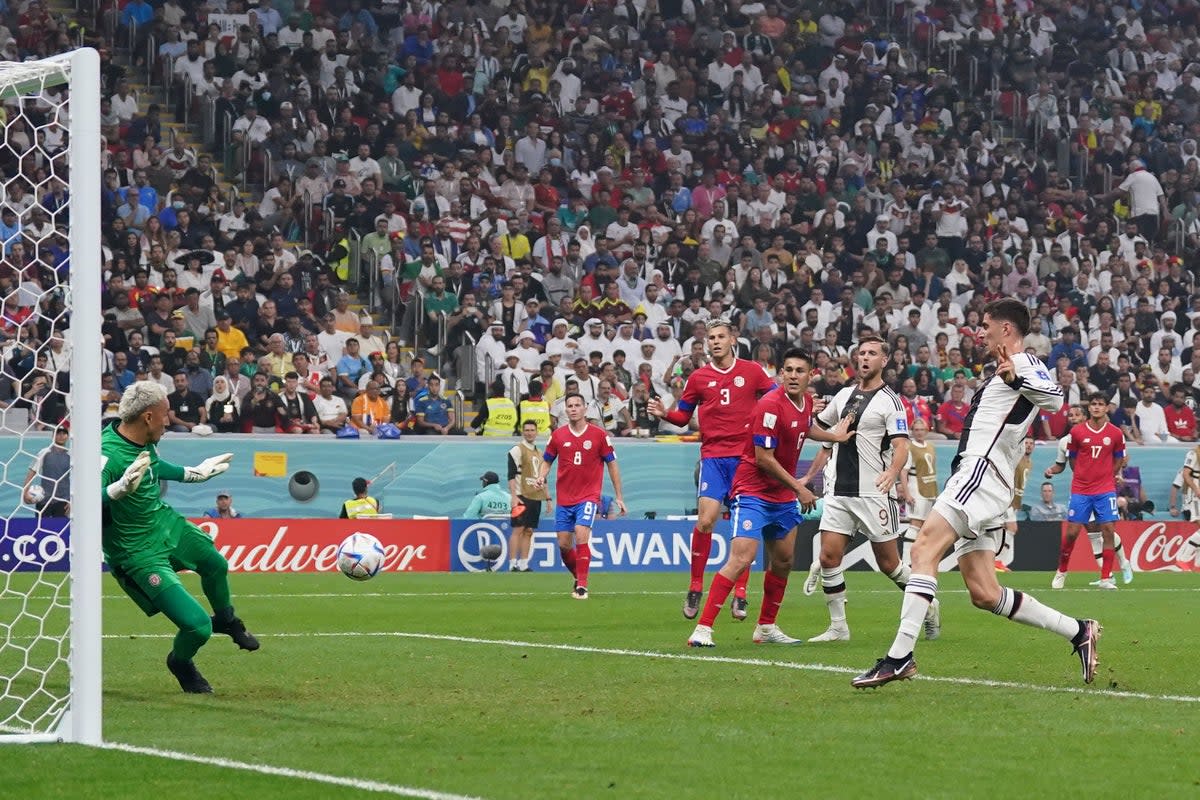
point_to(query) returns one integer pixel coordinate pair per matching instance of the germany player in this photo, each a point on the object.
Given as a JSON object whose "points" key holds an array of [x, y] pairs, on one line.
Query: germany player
{"points": [[861, 479], [524, 467], [725, 391], [1020, 481], [969, 513], [1079, 415], [1188, 559], [585, 449], [146, 542], [922, 482], [765, 492]]}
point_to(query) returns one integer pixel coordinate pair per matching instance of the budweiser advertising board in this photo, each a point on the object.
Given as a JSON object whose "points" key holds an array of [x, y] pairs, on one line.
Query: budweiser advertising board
{"points": [[1152, 545], [310, 545]]}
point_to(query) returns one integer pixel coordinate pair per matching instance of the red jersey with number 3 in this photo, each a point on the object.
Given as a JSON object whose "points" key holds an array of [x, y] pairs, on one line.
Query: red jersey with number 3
{"points": [[781, 425], [581, 468], [1094, 454], [725, 399]]}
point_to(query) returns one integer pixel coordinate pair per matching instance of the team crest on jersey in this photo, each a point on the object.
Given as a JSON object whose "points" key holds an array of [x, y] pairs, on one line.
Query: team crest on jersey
{"points": [[1107, 441], [739, 381], [155, 580], [587, 445]]}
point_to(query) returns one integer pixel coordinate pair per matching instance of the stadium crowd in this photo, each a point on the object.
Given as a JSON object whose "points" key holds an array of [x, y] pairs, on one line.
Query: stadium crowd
{"points": [[578, 187]]}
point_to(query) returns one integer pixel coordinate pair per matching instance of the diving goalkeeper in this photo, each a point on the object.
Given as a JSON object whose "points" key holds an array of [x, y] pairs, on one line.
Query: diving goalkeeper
{"points": [[146, 541]]}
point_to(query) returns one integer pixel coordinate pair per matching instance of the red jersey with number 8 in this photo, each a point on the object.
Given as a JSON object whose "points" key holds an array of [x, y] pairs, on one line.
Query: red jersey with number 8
{"points": [[581, 470], [781, 425], [1095, 453], [725, 399]]}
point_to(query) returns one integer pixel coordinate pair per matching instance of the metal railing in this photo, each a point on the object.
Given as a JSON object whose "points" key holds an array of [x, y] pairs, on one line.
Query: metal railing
{"points": [[972, 75], [354, 267], [460, 409], [1085, 165], [489, 371], [418, 317], [466, 371], [514, 390], [1108, 178]]}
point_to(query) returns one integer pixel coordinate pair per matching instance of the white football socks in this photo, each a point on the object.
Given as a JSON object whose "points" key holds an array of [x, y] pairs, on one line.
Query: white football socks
{"points": [[918, 594], [834, 584]]}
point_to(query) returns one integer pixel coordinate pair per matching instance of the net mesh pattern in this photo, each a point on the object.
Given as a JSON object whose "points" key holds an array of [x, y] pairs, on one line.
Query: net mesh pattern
{"points": [[35, 373]]}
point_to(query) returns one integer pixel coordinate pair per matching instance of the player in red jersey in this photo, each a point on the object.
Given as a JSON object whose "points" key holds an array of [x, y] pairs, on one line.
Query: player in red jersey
{"points": [[765, 493], [725, 391], [585, 449], [1097, 452]]}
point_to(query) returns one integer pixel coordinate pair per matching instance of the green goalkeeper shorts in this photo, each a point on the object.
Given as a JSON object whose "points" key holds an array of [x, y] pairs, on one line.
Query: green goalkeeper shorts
{"points": [[145, 580]]}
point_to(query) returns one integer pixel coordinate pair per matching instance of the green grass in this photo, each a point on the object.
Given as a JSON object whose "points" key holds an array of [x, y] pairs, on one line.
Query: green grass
{"points": [[511, 721]]}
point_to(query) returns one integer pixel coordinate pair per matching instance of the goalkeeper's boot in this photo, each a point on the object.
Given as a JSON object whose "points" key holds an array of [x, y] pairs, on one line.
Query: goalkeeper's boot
{"points": [[190, 679], [236, 629]]}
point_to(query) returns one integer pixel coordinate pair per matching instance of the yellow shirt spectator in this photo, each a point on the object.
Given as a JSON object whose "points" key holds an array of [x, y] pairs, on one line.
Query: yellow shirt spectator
{"points": [[230, 340]]}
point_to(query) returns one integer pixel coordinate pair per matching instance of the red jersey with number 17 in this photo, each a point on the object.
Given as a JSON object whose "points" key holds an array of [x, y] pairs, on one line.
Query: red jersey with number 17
{"points": [[779, 424], [1094, 453], [725, 398], [581, 470]]}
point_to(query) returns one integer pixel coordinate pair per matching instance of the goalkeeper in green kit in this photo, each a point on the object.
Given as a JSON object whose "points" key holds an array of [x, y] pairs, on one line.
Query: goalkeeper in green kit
{"points": [[146, 541]]}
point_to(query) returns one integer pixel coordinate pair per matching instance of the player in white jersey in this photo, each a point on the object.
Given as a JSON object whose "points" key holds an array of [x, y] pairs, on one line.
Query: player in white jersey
{"points": [[1188, 559], [1077, 415], [969, 513], [862, 477]]}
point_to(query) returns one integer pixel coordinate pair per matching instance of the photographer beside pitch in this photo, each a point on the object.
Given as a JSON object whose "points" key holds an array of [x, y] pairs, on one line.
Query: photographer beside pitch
{"points": [[146, 542]]}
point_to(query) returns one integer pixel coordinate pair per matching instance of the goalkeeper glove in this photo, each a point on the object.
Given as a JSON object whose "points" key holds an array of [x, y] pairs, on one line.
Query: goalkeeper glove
{"points": [[132, 479], [208, 468]]}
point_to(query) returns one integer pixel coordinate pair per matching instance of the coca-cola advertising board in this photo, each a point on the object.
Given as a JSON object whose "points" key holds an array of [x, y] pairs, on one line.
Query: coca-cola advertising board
{"points": [[1151, 545], [310, 545]]}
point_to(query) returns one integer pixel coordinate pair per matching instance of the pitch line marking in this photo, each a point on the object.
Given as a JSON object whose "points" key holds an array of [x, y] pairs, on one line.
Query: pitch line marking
{"points": [[555, 593], [286, 772], [752, 662]]}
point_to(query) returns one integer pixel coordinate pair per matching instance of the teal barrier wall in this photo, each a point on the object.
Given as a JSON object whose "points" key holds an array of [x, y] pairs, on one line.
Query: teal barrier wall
{"points": [[437, 476]]}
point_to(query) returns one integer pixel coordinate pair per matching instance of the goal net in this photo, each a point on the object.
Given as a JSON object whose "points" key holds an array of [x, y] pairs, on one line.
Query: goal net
{"points": [[50, 357]]}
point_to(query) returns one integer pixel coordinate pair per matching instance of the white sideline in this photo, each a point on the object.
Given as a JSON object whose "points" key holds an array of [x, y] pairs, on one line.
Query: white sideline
{"points": [[629, 593], [753, 662], [285, 772]]}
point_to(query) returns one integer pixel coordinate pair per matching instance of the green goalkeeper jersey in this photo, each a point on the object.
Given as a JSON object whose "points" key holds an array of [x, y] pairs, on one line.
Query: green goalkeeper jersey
{"points": [[140, 526]]}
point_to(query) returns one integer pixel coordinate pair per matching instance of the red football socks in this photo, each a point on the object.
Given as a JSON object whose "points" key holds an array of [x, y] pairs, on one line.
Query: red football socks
{"points": [[1107, 557], [718, 593], [701, 548], [773, 589], [739, 586], [1064, 553], [568, 559], [583, 562]]}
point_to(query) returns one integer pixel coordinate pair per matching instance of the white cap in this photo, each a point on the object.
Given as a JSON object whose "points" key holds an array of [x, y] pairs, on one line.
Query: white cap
{"points": [[525, 335]]}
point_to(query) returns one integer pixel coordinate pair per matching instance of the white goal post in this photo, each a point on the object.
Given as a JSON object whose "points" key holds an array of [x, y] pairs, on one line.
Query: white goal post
{"points": [[50, 640]]}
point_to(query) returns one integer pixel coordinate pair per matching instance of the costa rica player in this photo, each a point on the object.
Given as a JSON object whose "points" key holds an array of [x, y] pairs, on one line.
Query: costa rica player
{"points": [[765, 492], [585, 449], [724, 391], [1097, 453]]}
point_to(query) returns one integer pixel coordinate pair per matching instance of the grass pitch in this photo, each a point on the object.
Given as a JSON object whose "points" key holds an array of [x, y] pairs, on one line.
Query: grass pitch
{"points": [[501, 686]]}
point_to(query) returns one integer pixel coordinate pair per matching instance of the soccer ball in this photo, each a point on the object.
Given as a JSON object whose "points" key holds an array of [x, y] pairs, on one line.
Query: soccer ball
{"points": [[36, 494], [360, 556]]}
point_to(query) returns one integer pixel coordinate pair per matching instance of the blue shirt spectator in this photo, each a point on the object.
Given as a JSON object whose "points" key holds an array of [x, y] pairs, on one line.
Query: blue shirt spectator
{"points": [[1069, 347]]}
